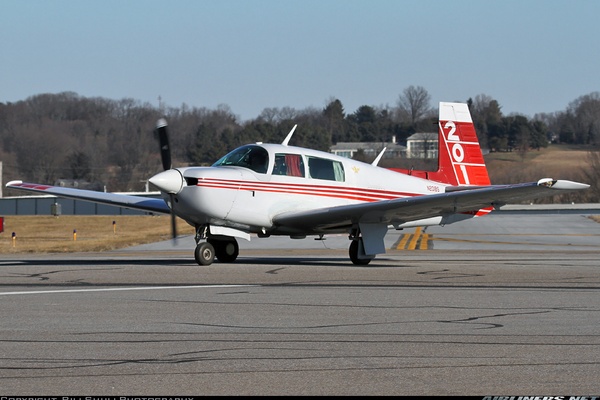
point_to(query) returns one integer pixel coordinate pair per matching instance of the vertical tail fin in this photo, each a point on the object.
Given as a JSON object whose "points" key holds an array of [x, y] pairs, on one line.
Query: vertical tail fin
{"points": [[460, 158]]}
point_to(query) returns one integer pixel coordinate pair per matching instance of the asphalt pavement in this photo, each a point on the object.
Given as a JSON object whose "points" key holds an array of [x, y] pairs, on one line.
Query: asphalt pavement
{"points": [[501, 305]]}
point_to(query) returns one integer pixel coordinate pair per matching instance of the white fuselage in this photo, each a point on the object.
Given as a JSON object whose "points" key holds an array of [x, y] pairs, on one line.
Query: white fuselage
{"points": [[241, 198]]}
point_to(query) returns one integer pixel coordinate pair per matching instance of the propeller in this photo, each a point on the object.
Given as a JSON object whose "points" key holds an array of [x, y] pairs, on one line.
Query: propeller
{"points": [[164, 181], [163, 139]]}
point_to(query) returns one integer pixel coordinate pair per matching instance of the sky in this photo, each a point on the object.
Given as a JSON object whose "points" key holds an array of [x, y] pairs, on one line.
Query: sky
{"points": [[531, 56]]}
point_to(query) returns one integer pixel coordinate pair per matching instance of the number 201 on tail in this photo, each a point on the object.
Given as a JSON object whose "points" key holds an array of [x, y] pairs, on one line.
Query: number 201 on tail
{"points": [[456, 149]]}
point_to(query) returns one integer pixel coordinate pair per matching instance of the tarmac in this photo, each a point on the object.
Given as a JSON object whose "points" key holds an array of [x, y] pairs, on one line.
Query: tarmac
{"points": [[506, 304]]}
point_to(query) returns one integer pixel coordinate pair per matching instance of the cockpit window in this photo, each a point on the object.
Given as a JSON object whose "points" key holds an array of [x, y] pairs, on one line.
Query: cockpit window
{"points": [[254, 157]]}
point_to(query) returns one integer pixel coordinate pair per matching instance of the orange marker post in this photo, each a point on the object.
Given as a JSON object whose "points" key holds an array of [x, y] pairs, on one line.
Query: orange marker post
{"points": [[14, 239], [74, 234]]}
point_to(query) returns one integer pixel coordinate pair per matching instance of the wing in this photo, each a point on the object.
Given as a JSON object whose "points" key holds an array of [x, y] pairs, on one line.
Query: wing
{"points": [[113, 199], [407, 209]]}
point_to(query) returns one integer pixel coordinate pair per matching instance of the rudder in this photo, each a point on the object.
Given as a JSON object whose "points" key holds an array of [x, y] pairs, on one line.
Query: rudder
{"points": [[460, 158]]}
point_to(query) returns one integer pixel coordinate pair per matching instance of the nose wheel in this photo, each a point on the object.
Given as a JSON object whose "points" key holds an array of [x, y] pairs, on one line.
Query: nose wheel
{"points": [[204, 253]]}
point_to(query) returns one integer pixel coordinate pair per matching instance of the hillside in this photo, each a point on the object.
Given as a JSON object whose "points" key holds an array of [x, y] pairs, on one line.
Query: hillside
{"points": [[555, 161]]}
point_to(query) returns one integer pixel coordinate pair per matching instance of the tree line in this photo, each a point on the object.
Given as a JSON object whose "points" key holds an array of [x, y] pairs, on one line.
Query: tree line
{"points": [[110, 143]]}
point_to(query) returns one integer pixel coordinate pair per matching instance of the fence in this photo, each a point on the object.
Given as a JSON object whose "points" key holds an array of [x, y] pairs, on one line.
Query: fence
{"points": [[52, 205]]}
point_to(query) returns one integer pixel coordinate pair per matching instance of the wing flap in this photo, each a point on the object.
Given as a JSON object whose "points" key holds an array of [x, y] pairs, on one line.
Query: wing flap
{"points": [[113, 199], [402, 210]]}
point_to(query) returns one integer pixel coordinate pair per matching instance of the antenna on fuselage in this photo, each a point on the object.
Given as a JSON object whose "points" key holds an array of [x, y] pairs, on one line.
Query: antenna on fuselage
{"points": [[289, 136], [376, 160]]}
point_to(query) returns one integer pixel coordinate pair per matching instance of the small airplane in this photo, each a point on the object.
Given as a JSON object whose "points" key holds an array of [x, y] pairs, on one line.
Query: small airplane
{"points": [[278, 189]]}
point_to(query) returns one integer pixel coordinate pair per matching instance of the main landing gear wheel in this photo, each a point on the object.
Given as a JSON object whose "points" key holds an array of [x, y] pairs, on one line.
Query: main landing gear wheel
{"points": [[353, 252], [226, 250], [204, 253]]}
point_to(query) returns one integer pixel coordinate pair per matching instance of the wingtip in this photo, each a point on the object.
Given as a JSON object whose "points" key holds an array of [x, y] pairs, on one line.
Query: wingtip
{"points": [[562, 184], [14, 183]]}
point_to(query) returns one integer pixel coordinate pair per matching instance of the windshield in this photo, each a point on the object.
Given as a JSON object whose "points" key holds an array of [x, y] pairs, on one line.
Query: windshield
{"points": [[254, 157]]}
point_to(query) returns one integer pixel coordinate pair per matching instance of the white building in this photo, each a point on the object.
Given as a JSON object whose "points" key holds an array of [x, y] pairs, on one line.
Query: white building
{"points": [[369, 149], [422, 145]]}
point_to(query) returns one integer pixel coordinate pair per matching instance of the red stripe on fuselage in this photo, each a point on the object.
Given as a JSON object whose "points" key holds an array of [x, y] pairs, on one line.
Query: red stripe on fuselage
{"points": [[362, 194]]}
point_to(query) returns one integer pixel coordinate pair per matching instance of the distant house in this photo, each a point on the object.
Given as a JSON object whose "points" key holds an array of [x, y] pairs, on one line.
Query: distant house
{"points": [[369, 149], [418, 145], [422, 145]]}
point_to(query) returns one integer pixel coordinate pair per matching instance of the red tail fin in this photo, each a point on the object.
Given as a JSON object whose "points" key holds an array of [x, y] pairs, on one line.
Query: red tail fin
{"points": [[460, 161], [460, 158]]}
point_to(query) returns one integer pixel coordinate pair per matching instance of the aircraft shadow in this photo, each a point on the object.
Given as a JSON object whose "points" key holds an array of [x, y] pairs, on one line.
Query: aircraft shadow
{"points": [[169, 261]]}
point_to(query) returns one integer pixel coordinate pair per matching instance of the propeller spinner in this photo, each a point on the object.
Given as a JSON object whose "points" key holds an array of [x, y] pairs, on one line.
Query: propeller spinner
{"points": [[169, 181]]}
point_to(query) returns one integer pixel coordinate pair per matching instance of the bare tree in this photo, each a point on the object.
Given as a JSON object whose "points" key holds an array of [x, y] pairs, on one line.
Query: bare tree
{"points": [[586, 110], [41, 149], [486, 116], [414, 104], [275, 115]]}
